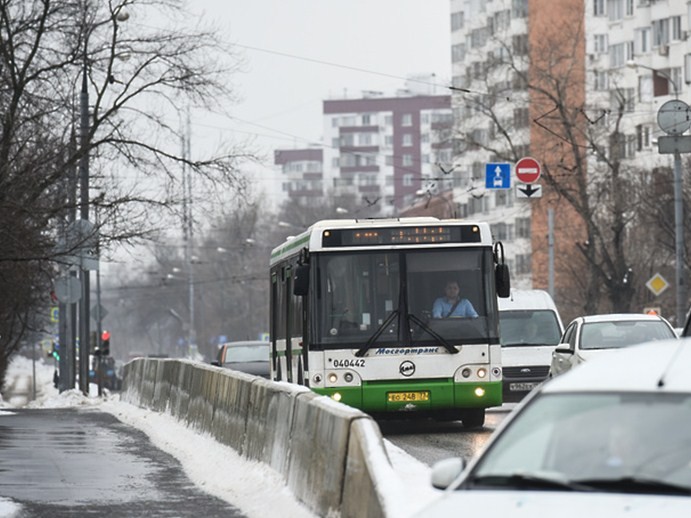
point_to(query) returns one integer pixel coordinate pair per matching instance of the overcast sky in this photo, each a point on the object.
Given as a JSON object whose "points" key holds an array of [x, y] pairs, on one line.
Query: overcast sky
{"points": [[300, 52]]}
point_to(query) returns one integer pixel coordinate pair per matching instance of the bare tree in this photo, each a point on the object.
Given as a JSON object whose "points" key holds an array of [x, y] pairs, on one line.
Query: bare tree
{"points": [[140, 81]]}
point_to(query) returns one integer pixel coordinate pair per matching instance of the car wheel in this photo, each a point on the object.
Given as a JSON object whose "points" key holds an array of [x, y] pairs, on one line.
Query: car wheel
{"points": [[474, 418]]}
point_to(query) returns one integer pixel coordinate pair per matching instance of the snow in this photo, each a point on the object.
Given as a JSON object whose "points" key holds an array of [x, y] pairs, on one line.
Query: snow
{"points": [[205, 461]]}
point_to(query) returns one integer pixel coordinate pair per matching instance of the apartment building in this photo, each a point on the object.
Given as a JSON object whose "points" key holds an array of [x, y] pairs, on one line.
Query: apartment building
{"points": [[635, 52], [384, 150]]}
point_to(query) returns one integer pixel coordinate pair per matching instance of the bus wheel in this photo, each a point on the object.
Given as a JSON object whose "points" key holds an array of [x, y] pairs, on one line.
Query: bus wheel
{"points": [[474, 418]]}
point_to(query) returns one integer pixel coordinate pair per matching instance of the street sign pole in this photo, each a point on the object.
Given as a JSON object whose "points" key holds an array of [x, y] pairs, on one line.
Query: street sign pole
{"points": [[674, 118]]}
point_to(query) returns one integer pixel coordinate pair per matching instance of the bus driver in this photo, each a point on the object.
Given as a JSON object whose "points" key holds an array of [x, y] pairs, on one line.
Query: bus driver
{"points": [[451, 304]]}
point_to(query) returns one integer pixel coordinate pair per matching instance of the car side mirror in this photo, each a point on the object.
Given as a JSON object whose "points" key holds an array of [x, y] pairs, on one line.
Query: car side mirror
{"points": [[216, 363], [446, 471], [564, 349]]}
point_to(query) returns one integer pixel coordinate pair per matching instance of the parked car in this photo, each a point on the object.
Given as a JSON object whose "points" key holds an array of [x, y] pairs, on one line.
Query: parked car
{"points": [[250, 356], [597, 441], [586, 337], [529, 330]]}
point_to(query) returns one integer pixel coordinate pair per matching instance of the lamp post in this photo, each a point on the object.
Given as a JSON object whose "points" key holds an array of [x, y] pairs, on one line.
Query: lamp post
{"points": [[674, 122], [84, 215], [121, 15]]}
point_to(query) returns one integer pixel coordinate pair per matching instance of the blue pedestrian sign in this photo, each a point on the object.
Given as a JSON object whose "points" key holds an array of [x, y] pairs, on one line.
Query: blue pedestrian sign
{"points": [[498, 175]]}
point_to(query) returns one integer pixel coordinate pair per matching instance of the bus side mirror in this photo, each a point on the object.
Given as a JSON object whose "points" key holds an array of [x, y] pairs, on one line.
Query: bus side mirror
{"points": [[501, 272], [503, 281], [301, 280]]}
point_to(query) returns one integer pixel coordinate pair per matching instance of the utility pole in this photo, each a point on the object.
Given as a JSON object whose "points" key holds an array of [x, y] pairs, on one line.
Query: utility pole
{"points": [[188, 232], [84, 214]]}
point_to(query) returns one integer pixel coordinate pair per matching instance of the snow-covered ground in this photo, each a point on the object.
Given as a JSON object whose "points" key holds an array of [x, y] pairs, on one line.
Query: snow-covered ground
{"points": [[206, 462]]}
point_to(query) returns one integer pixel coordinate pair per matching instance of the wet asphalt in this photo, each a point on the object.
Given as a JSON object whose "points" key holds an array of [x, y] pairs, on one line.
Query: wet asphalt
{"points": [[72, 462]]}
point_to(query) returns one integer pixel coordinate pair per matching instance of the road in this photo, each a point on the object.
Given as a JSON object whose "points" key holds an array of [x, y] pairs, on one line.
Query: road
{"points": [[72, 462], [431, 441]]}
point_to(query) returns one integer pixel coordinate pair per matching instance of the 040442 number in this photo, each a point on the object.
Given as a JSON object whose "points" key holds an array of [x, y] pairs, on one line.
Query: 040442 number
{"points": [[349, 363]]}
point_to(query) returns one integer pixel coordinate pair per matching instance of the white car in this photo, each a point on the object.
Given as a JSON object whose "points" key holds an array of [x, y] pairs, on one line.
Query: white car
{"points": [[597, 441], [588, 336]]}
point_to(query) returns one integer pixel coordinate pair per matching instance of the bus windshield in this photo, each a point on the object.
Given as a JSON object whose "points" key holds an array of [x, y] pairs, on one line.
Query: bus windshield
{"points": [[390, 298]]}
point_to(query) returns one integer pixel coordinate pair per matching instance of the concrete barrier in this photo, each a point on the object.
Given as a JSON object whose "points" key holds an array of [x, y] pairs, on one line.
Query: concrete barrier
{"points": [[332, 456]]}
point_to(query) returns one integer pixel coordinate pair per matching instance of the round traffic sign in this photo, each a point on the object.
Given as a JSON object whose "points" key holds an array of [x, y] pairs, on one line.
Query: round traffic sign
{"points": [[527, 170], [674, 117]]}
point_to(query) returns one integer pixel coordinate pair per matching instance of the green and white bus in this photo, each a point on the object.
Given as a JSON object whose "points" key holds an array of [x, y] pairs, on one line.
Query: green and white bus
{"points": [[351, 316]]}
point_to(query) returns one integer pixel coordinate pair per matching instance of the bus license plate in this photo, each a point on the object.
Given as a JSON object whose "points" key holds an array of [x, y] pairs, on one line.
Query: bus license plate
{"points": [[398, 397], [522, 386]]}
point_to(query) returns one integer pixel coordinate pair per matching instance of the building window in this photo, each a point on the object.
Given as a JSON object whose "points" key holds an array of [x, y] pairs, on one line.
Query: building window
{"points": [[407, 180], [407, 119], [619, 54], [642, 40], [523, 265], [623, 99], [521, 118], [458, 52], [365, 139], [600, 80], [519, 44], [366, 119], [660, 32], [519, 8], [645, 88], [598, 7], [407, 140], [407, 160], [600, 43], [523, 227], [615, 10], [676, 27], [457, 20], [389, 159]]}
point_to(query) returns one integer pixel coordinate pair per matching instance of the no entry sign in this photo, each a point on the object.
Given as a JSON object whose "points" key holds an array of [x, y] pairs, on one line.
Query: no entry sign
{"points": [[527, 170]]}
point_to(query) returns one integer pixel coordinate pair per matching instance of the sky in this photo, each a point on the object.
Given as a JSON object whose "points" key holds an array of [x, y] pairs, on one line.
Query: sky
{"points": [[205, 461], [299, 53]]}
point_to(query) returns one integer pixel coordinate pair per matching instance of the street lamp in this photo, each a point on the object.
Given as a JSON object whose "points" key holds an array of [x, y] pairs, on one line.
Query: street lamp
{"points": [[676, 130], [121, 15]]}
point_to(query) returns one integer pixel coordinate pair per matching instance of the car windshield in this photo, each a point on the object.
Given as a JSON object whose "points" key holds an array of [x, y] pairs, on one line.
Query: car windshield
{"points": [[383, 298], [247, 353], [528, 327], [598, 440], [608, 335]]}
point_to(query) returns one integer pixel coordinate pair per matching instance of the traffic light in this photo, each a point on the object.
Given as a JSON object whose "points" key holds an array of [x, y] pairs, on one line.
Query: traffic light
{"points": [[105, 343], [55, 353]]}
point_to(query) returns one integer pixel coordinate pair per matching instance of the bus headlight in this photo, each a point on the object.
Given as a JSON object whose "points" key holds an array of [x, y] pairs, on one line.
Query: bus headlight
{"points": [[481, 372], [479, 391], [348, 377], [317, 379], [466, 372], [336, 396], [496, 372], [333, 378]]}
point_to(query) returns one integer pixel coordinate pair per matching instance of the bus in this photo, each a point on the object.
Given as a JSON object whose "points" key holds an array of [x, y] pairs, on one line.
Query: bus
{"points": [[351, 316]]}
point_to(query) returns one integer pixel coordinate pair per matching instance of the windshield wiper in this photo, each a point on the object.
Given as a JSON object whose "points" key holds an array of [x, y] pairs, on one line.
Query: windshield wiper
{"points": [[361, 352], [440, 339], [630, 484], [529, 481]]}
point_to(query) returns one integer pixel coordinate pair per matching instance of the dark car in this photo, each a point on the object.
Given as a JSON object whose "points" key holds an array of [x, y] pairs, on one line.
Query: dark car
{"points": [[250, 356]]}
